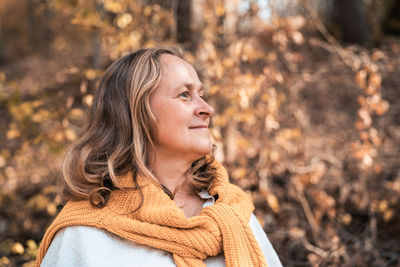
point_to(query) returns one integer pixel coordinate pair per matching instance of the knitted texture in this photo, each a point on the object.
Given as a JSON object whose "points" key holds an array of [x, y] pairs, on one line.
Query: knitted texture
{"points": [[159, 223]]}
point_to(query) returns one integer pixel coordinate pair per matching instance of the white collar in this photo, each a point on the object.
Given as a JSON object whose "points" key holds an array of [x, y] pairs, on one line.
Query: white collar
{"points": [[205, 195]]}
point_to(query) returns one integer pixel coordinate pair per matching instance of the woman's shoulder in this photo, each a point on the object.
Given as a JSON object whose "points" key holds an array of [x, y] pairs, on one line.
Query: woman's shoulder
{"points": [[265, 245], [91, 246]]}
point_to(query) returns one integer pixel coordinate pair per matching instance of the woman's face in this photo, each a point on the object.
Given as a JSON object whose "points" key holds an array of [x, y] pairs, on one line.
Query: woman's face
{"points": [[182, 114]]}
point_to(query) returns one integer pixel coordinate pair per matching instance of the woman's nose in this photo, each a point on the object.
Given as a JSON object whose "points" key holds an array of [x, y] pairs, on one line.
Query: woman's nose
{"points": [[204, 109]]}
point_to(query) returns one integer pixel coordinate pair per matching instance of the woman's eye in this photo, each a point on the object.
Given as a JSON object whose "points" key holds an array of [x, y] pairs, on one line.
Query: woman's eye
{"points": [[184, 94]]}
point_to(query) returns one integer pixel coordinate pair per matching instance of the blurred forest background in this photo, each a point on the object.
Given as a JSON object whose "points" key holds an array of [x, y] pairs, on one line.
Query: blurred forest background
{"points": [[307, 114]]}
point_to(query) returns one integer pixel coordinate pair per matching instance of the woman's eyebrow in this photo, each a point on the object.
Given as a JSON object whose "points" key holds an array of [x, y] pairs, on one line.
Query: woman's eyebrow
{"points": [[191, 86]]}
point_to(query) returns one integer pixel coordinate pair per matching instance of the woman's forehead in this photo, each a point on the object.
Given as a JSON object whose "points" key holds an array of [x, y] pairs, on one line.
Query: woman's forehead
{"points": [[177, 70], [175, 64]]}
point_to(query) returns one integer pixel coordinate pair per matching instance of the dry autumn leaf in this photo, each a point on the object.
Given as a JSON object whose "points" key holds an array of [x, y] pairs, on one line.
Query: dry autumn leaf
{"points": [[361, 78]]}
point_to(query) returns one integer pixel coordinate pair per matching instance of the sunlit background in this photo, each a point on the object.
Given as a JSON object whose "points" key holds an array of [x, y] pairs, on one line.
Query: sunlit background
{"points": [[307, 118]]}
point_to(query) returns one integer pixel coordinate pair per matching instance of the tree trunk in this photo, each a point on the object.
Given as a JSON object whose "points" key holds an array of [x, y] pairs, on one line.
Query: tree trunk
{"points": [[97, 42], [2, 55], [183, 17], [350, 17], [39, 32]]}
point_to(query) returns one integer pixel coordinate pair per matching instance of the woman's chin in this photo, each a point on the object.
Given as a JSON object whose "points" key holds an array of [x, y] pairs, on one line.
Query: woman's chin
{"points": [[203, 152]]}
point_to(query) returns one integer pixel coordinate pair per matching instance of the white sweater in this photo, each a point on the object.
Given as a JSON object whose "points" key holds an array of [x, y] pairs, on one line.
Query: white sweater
{"points": [[88, 246]]}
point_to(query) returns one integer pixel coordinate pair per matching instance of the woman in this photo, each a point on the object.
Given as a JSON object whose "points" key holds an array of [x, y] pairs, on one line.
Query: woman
{"points": [[141, 184]]}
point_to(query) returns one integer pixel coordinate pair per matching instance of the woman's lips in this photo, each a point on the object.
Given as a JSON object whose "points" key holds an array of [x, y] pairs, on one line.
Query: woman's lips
{"points": [[199, 127]]}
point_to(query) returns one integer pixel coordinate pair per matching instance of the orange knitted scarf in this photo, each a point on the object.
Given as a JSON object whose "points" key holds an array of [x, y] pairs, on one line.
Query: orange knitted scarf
{"points": [[159, 223]]}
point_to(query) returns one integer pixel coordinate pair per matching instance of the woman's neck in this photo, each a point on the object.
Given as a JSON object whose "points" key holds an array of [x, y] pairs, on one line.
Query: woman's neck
{"points": [[171, 173]]}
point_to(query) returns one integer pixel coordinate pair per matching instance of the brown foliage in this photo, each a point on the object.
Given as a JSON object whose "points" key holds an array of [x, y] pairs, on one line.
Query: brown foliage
{"points": [[310, 129]]}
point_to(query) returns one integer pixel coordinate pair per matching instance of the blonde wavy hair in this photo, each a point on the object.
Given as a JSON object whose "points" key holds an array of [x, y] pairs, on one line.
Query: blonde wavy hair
{"points": [[119, 132]]}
